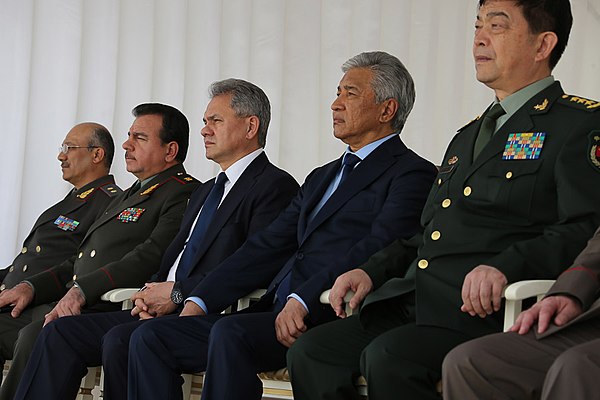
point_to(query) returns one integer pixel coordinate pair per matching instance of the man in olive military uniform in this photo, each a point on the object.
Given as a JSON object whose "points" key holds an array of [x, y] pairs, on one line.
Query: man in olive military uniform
{"points": [[515, 199], [124, 246], [85, 159]]}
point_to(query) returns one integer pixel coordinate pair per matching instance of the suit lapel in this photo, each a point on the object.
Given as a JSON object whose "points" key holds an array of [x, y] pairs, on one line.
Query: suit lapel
{"points": [[363, 175], [234, 198]]}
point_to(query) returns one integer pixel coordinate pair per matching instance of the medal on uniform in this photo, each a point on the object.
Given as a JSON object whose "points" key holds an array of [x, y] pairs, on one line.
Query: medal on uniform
{"points": [[524, 146], [131, 214], [66, 224]]}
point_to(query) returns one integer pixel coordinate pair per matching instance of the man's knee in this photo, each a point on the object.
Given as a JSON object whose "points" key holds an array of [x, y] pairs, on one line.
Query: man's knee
{"points": [[571, 360], [27, 337]]}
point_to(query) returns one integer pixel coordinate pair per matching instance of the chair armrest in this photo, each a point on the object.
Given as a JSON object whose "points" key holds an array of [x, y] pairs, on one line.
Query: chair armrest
{"points": [[121, 295], [516, 292], [255, 295], [324, 299]]}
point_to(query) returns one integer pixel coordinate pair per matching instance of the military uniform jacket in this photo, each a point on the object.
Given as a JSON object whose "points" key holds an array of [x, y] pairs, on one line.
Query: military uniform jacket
{"points": [[59, 230], [581, 281], [529, 218], [123, 248]]}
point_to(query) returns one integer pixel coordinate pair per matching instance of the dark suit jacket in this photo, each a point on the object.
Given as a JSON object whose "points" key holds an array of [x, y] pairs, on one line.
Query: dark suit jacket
{"points": [[528, 218], [582, 281], [380, 201], [51, 242], [123, 248], [257, 197]]}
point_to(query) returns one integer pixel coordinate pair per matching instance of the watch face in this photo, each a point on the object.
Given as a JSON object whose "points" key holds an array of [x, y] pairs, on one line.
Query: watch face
{"points": [[176, 297]]}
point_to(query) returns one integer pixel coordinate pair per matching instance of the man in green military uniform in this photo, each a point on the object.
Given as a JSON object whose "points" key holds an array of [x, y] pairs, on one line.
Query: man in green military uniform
{"points": [[515, 199], [124, 246], [85, 158]]}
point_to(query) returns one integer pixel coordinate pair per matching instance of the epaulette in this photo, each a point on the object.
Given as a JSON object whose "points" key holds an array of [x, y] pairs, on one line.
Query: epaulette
{"points": [[184, 178], [470, 122], [111, 190], [580, 103]]}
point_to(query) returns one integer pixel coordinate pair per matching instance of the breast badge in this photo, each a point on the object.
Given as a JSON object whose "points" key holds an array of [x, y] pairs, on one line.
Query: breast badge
{"points": [[594, 150], [66, 224], [524, 146], [131, 214]]}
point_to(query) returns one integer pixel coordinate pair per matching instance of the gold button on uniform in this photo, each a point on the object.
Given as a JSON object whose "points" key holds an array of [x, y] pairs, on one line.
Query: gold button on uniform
{"points": [[11, 269], [24, 250], [423, 264], [92, 253], [439, 182], [508, 175], [435, 235], [25, 268], [467, 191], [74, 277], [446, 203], [2, 287], [38, 249], [80, 254]]}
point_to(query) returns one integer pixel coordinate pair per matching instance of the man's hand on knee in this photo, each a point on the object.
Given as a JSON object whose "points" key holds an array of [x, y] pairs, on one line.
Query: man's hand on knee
{"points": [[19, 297]]}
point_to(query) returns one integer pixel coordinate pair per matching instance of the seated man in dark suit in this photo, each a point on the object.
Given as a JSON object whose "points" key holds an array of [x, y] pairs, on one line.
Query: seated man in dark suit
{"points": [[557, 360], [249, 192], [513, 200], [345, 211], [123, 247], [85, 159]]}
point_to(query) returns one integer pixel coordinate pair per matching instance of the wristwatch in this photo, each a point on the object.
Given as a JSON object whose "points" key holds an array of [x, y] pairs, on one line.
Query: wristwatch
{"points": [[176, 295]]}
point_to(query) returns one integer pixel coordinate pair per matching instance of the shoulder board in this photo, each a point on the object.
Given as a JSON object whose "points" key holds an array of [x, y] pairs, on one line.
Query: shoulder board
{"points": [[111, 190], [470, 122], [184, 178], [580, 102]]}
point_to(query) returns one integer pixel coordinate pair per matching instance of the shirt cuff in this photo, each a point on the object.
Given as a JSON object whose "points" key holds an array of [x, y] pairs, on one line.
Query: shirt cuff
{"points": [[198, 302], [295, 296]]}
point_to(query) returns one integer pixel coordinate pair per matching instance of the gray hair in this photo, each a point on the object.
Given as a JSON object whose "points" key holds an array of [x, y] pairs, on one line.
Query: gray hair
{"points": [[391, 80], [247, 100]]}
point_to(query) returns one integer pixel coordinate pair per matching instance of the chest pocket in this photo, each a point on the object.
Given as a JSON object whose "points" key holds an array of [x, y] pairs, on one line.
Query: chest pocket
{"points": [[512, 185], [439, 191]]}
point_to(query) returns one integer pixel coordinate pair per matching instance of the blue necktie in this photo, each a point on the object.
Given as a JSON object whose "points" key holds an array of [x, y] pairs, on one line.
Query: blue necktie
{"points": [[206, 215], [284, 289]]}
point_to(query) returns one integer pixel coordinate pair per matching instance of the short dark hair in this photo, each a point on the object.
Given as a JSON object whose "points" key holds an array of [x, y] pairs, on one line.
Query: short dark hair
{"points": [[391, 80], [548, 16], [175, 126], [247, 100], [101, 137]]}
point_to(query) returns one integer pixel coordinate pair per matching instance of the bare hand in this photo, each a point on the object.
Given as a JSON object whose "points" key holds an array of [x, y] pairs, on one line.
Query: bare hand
{"points": [[289, 324], [70, 304], [482, 291], [19, 296], [191, 309], [562, 308], [154, 301], [357, 281]]}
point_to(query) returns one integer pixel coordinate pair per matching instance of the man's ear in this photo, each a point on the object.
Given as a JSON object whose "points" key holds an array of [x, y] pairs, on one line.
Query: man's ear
{"points": [[252, 128], [546, 43], [389, 109], [172, 150], [98, 155]]}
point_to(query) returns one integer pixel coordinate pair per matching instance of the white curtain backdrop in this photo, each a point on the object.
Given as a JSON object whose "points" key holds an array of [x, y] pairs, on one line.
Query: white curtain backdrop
{"points": [[68, 61]]}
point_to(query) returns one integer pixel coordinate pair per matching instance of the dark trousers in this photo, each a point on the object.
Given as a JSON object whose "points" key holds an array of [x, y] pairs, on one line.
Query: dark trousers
{"points": [[17, 337], [67, 346], [398, 358], [232, 349]]}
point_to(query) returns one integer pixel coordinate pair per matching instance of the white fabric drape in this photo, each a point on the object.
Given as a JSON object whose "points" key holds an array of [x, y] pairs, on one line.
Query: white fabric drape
{"points": [[68, 61]]}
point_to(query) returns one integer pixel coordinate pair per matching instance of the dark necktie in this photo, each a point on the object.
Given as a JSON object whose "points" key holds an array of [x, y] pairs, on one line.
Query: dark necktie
{"points": [[284, 289], [206, 215], [488, 126], [348, 164]]}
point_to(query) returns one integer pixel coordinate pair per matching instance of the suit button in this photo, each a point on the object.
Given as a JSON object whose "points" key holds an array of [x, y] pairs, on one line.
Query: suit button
{"points": [[467, 191], [74, 277], [38, 249], [300, 256], [24, 250], [2, 287], [423, 264], [446, 203], [93, 253], [25, 268], [509, 175], [435, 235], [439, 182], [11, 269], [80, 254]]}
